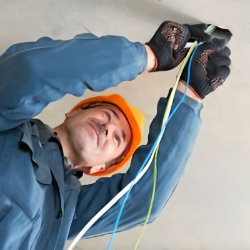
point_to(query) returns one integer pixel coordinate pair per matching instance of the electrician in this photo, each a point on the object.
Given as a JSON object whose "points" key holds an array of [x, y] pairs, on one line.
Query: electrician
{"points": [[42, 202]]}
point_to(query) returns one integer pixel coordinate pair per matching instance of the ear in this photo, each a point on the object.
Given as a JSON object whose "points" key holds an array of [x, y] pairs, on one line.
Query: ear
{"points": [[96, 169], [70, 114]]}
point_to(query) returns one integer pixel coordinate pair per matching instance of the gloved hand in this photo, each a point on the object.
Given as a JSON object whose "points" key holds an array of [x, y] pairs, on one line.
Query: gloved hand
{"points": [[209, 68], [169, 41]]}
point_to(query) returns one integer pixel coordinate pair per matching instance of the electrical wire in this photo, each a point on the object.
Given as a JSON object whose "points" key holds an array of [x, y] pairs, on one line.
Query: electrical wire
{"points": [[156, 156], [142, 170], [153, 149], [110, 204], [210, 29], [151, 202]]}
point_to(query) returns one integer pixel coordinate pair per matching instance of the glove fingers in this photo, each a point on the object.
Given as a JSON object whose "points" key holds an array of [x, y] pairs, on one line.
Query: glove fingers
{"points": [[225, 51], [197, 32], [223, 72], [219, 76], [219, 60], [218, 44]]}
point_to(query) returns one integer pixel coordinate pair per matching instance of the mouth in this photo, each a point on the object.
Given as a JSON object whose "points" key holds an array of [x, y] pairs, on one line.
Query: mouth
{"points": [[96, 131]]}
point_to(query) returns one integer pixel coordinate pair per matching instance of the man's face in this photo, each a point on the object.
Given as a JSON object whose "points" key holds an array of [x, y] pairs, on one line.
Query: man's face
{"points": [[97, 135]]}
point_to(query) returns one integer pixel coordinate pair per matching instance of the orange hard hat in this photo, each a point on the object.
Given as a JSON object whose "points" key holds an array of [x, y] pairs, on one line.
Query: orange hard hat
{"points": [[135, 119]]}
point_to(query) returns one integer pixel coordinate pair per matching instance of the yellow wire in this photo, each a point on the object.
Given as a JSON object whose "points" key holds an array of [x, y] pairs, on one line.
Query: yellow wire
{"points": [[151, 202], [165, 117], [171, 97]]}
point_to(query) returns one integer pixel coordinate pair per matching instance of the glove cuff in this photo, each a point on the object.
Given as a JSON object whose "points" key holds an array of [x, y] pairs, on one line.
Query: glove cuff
{"points": [[195, 93]]}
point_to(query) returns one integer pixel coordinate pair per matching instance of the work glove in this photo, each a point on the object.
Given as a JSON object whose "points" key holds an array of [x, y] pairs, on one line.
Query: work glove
{"points": [[168, 43], [209, 67]]}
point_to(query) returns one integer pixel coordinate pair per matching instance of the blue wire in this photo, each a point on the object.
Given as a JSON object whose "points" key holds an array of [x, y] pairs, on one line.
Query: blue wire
{"points": [[151, 151], [187, 84]]}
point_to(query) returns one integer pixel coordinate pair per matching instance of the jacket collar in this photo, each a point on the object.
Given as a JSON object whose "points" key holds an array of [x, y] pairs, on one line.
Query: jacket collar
{"points": [[46, 154], [31, 138]]}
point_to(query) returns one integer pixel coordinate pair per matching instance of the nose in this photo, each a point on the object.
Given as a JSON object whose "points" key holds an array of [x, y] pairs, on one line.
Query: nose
{"points": [[103, 129]]}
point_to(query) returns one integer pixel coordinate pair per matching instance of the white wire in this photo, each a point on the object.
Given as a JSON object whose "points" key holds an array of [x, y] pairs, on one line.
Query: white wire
{"points": [[130, 185], [116, 198], [139, 176]]}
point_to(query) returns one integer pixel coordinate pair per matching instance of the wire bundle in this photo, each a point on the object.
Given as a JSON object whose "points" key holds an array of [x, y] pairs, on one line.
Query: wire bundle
{"points": [[154, 150], [147, 162], [156, 156]]}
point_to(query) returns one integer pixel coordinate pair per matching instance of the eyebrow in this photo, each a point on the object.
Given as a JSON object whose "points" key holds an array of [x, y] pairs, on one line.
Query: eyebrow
{"points": [[116, 115]]}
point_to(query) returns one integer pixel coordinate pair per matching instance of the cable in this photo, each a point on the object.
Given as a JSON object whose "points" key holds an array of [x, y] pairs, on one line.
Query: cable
{"points": [[210, 29], [156, 156], [142, 170], [108, 206], [151, 202], [153, 149]]}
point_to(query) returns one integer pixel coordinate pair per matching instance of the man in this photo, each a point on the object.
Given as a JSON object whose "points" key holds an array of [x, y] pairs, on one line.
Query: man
{"points": [[42, 203]]}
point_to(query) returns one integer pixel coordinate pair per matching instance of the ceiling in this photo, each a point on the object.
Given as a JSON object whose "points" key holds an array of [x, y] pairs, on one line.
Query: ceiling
{"points": [[210, 208]]}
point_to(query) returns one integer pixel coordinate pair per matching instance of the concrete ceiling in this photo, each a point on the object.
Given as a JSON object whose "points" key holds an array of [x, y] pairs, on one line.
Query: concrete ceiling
{"points": [[210, 208]]}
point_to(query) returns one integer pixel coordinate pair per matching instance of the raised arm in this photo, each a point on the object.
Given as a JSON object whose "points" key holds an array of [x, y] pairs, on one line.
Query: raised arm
{"points": [[34, 74]]}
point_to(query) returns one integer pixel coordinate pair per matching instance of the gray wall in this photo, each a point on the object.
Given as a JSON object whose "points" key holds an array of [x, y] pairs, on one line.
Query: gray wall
{"points": [[210, 208]]}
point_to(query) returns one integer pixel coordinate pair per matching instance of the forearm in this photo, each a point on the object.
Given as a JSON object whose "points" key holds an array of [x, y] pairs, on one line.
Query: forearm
{"points": [[44, 71], [176, 146]]}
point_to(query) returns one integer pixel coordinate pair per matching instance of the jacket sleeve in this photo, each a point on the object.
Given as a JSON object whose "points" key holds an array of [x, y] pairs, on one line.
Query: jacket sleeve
{"points": [[175, 148], [33, 74]]}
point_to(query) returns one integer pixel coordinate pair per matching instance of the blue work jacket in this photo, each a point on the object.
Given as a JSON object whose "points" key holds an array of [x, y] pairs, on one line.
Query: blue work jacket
{"points": [[42, 203]]}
